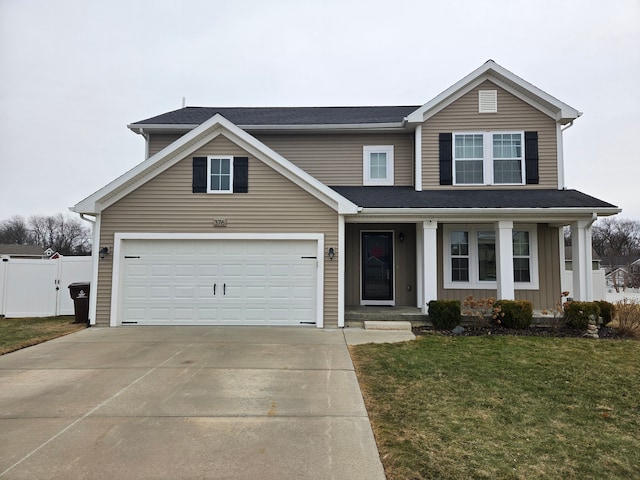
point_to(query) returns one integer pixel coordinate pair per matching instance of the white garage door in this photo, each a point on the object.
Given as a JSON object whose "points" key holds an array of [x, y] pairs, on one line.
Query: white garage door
{"points": [[219, 282]]}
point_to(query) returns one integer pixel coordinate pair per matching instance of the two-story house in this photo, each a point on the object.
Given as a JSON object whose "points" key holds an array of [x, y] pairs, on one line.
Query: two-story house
{"points": [[287, 216]]}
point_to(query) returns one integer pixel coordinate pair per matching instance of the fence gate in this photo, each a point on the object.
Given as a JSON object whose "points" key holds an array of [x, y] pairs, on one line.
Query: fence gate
{"points": [[38, 288]]}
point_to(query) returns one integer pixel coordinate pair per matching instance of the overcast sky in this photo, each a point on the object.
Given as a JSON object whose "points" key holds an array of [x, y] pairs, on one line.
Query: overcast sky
{"points": [[74, 73]]}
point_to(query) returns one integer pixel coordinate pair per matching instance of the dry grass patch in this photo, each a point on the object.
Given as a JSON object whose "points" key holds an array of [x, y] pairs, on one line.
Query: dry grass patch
{"points": [[17, 333], [504, 407]]}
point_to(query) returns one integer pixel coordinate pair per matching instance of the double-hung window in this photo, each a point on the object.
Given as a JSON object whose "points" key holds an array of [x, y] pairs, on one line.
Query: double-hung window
{"points": [[489, 158], [220, 174], [377, 165], [471, 260]]}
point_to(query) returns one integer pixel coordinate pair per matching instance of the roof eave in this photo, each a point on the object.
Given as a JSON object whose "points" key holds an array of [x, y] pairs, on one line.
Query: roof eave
{"points": [[473, 214], [329, 127]]}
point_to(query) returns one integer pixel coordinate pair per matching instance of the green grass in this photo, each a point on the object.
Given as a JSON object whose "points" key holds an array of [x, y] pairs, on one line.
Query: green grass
{"points": [[17, 333], [504, 407]]}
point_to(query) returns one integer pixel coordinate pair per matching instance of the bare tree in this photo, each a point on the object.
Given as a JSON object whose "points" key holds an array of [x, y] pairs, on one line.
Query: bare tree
{"points": [[613, 237], [14, 230], [60, 233], [64, 234]]}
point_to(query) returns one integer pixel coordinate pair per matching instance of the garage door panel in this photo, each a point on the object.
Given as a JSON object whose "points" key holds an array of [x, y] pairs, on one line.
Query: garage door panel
{"points": [[256, 282]]}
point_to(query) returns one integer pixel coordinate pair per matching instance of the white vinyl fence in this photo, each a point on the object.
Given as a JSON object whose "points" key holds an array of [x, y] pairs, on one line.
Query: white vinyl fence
{"points": [[39, 288]]}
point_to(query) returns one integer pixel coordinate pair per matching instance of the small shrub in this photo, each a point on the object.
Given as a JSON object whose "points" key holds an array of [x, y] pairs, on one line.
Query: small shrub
{"points": [[576, 314], [607, 311], [482, 307], [513, 313], [627, 318], [445, 314]]}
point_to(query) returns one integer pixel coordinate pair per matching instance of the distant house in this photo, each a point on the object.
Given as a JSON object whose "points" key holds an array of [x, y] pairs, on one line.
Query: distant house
{"points": [[21, 251], [623, 273], [596, 263]]}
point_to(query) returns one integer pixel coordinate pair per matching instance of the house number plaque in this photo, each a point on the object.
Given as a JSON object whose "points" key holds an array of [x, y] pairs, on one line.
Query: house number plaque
{"points": [[219, 222]]}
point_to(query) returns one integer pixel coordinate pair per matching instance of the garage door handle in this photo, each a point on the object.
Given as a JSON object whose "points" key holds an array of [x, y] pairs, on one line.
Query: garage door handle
{"points": [[214, 288], [224, 289]]}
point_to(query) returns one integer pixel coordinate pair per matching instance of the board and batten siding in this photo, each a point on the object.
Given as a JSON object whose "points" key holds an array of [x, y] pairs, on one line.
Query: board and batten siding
{"points": [[166, 204], [548, 270], [336, 159], [513, 115]]}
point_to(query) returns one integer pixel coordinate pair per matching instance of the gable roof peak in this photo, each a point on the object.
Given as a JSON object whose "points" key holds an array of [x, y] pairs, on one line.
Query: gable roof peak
{"points": [[490, 70]]}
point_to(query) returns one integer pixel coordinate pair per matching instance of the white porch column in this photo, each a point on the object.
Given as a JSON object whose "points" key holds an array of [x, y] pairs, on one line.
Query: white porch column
{"points": [[581, 259], [419, 266], [429, 262], [504, 260]]}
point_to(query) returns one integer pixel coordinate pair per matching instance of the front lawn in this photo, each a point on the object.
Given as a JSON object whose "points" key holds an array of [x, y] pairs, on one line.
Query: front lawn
{"points": [[503, 407], [17, 333]]}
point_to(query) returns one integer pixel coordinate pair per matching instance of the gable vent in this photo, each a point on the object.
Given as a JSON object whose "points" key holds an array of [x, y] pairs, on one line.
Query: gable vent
{"points": [[488, 101]]}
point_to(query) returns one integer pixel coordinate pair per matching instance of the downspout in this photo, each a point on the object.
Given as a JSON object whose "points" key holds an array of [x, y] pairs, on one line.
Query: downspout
{"points": [[93, 289], [146, 141], [560, 153]]}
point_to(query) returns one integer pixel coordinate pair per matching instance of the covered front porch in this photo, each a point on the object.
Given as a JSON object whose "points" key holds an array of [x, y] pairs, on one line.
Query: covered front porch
{"points": [[393, 269]]}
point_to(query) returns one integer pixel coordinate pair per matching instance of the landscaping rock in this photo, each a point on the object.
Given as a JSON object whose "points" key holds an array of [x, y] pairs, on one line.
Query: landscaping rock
{"points": [[459, 330]]}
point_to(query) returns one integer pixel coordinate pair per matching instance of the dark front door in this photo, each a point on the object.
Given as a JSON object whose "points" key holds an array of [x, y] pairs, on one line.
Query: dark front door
{"points": [[377, 268]]}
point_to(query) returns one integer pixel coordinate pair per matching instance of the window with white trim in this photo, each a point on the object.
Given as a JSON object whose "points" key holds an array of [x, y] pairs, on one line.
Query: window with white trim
{"points": [[219, 174], [377, 165], [489, 158], [471, 261]]}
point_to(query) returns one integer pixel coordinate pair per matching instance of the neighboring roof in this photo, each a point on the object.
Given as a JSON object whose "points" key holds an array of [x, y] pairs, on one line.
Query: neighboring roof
{"points": [[502, 77], [191, 142], [281, 116], [568, 254], [21, 250], [407, 197], [620, 260]]}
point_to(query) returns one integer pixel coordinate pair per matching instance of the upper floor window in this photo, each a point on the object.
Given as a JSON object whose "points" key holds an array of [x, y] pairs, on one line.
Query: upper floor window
{"points": [[220, 175], [488, 158], [377, 165]]}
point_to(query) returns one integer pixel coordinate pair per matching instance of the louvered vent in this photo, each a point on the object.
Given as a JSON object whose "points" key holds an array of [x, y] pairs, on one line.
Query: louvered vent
{"points": [[488, 101]]}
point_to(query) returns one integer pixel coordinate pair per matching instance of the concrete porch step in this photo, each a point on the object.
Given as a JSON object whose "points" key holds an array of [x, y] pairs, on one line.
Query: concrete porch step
{"points": [[386, 325]]}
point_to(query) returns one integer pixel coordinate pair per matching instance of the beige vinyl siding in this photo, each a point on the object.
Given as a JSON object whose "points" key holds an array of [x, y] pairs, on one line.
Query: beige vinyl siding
{"points": [[336, 159], [513, 115], [158, 141], [166, 204], [548, 269], [404, 261]]}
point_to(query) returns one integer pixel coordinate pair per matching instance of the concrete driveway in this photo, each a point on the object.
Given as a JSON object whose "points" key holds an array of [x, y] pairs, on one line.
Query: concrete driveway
{"points": [[185, 403]]}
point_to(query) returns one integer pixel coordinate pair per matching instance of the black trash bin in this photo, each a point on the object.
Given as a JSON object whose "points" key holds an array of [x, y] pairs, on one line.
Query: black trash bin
{"points": [[79, 292]]}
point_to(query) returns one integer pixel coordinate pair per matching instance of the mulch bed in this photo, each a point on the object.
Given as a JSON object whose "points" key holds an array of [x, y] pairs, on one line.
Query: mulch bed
{"points": [[533, 331]]}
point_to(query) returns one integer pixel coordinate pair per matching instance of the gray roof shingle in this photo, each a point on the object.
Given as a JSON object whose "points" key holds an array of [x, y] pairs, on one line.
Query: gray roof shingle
{"points": [[284, 115], [407, 197]]}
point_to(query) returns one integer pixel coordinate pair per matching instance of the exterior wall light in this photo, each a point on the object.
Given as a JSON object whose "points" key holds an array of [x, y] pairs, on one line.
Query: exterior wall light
{"points": [[331, 253], [401, 237], [103, 251]]}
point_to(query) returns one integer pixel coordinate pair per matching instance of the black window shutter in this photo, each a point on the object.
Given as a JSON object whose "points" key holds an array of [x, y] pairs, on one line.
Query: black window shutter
{"points": [[199, 179], [531, 157], [446, 158], [240, 174]]}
